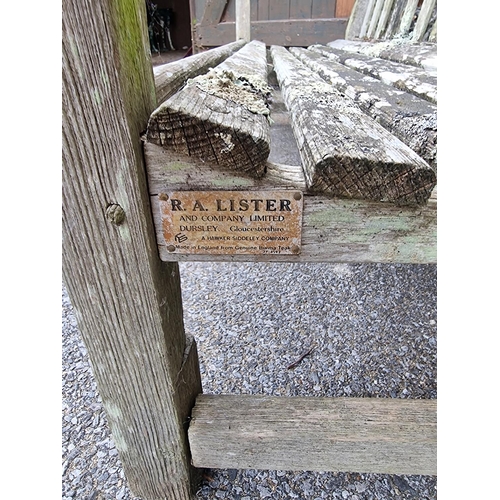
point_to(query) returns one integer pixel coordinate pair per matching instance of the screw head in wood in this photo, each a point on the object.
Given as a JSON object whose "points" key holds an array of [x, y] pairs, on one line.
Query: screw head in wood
{"points": [[171, 248], [115, 214]]}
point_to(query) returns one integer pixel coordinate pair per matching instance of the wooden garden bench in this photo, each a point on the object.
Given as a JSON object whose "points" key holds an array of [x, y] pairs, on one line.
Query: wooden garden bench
{"points": [[172, 165]]}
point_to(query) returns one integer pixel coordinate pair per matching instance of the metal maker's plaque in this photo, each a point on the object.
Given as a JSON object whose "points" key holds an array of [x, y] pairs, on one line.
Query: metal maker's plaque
{"points": [[232, 222]]}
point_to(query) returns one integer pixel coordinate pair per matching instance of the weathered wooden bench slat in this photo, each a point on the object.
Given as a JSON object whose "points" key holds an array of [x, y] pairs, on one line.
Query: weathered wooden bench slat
{"points": [[344, 152], [370, 435], [423, 55], [404, 77], [169, 78], [410, 119], [333, 230], [425, 15], [220, 116], [386, 19]]}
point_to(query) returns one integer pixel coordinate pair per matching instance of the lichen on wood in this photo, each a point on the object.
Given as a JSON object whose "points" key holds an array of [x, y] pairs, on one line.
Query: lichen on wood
{"points": [[220, 117], [344, 152]]}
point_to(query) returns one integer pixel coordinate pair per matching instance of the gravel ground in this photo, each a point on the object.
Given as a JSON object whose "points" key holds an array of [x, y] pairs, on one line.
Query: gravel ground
{"points": [[373, 328]]}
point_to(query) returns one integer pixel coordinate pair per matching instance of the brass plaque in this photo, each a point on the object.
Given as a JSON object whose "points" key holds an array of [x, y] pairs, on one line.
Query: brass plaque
{"points": [[232, 222]]}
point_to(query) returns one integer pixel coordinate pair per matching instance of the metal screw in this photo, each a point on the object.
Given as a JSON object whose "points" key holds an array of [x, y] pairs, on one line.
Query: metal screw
{"points": [[171, 248], [115, 214], [295, 249], [163, 197], [297, 196]]}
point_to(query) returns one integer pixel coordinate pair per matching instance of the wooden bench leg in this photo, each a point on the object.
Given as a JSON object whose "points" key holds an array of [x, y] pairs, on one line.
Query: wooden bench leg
{"points": [[127, 302]]}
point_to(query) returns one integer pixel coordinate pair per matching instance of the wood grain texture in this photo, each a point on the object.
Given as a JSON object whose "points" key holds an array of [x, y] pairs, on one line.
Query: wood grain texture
{"points": [[407, 17], [279, 9], [243, 20], [300, 9], [221, 116], [412, 120], [170, 77], [401, 76], [343, 8], [422, 55], [288, 33], [127, 302], [356, 19], [424, 17], [344, 152], [384, 18], [377, 11], [367, 15], [333, 230], [395, 19], [213, 12], [364, 435]]}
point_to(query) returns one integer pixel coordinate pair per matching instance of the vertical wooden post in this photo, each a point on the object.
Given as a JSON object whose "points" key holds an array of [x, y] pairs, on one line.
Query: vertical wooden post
{"points": [[127, 302], [243, 20]]}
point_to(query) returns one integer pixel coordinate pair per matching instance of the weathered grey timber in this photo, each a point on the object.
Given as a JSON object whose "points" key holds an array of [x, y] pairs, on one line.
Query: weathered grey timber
{"points": [[423, 55], [333, 230], [427, 11], [377, 11], [410, 119], [356, 18], [380, 435], [344, 152], [407, 17], [404, 77], [169, 78], [243, 20], [127, 302], [386, 19], [220, 117], [394, 22]]}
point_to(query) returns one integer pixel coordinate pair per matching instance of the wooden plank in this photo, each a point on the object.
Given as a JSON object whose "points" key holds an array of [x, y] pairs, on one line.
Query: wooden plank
{"points": [[287, 33], [128, 303], [343, 8], [412, 120], [395, 19], [407, 17], [377, 11], [364, 435], [334, 230], [254, 10], [344, 152], [356, 19], [384, 18], [404, 77], [323, 9], [243, 21], [433, 33], [279, 9], [421, 55], [263, 10], [366, 19], [213, 12], [300, 9], [229, 14], [169, 78], [426, 11], [220, 116]]}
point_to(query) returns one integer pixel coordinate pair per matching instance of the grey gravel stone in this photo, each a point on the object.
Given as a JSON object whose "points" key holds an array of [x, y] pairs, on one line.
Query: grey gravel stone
{"points": [[374, 332]]}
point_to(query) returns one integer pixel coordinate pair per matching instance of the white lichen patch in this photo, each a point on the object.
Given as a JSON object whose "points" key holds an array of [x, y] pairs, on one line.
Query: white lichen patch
{"points": [[248, 91], [227, 139], [381, 104]]}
